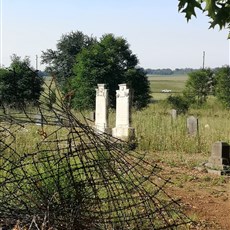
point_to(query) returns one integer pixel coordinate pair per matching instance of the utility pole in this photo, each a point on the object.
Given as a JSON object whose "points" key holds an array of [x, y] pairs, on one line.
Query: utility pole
{"points": [[229, 49], [203, 58], [36, 62]]}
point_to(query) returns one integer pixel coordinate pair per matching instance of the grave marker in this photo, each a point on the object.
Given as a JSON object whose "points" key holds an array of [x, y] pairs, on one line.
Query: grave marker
{"points": [[101, 114], [192, 125], [92, 116], [174, 114], [123, 130], [38, 119], [219, 162]]}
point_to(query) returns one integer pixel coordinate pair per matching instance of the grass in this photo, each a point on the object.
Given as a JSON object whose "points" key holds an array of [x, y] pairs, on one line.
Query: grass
{"points": [[175, 82], [157, 132]]}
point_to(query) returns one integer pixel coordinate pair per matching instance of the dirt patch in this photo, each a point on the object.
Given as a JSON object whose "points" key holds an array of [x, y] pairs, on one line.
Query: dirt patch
{"points": [[206, 197]]}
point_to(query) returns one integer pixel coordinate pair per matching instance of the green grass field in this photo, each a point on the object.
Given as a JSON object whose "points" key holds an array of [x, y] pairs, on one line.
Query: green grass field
{"points": [[175, 83]]}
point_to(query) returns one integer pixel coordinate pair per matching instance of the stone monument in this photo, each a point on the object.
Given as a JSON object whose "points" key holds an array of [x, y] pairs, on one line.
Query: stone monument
{"points": [[173, 114], [123, 130], [101, 114], [192, 125], [38, 119], [219, 162]]}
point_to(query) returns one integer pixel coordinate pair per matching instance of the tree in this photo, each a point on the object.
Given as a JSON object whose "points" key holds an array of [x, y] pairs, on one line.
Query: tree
{"points": [[61, 61], [217, 10], [109, 61], [199, 85], [20, 83], [179, 102], [222, 88]]}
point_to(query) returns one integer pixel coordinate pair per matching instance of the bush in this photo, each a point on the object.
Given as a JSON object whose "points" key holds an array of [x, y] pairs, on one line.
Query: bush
{"points": [[222, 88], [199, 85], [20, 83], [180, 103]]}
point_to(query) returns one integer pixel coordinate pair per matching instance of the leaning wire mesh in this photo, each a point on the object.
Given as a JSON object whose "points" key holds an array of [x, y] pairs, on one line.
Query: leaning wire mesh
{"points": [[69, 176]]}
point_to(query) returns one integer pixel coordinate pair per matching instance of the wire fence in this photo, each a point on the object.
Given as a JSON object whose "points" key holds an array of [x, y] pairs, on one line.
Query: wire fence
{"points": [[65, 175]]}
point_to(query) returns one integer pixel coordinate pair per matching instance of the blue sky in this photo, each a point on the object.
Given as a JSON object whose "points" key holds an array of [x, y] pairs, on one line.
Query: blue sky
{"points": [[156, 32]]}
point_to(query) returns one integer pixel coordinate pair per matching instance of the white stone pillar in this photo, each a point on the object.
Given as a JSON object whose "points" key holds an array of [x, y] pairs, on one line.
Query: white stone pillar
{"points": [[123, 130], [101, 114]]}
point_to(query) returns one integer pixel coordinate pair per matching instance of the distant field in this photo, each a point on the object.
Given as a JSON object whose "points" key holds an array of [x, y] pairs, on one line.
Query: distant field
{"points": [[175, 83]]}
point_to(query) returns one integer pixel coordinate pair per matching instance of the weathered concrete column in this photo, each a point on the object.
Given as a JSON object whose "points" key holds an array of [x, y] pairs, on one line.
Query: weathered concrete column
{"points": [[101, 114], [123, 130]]}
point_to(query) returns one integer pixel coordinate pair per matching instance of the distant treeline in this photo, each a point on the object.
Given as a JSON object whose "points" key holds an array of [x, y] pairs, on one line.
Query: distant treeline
{"points": [[168, 71]]}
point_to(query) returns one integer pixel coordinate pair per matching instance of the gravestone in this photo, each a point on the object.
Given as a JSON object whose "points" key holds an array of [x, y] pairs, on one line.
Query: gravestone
{"points": [[219, 162], [38, 119], [92, 116], [174, 114], [123, 130], [101, 114], [192, 126]]}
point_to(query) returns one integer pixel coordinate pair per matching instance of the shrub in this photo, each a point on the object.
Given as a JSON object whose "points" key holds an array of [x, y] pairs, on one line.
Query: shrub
{"points": [[222, 88], [180, 103], [20, 83]]}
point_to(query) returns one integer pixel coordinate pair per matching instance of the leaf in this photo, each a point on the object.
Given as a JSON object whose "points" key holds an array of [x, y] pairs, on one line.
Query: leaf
{"points": [[217, 10], [211, 7], [222, 17], [188, 7]]}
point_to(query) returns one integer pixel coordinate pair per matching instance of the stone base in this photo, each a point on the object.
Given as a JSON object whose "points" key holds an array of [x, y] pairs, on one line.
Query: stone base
{"points": [[214, 166], [124, 133], [218, 161], [219, 172], [217, 169]]}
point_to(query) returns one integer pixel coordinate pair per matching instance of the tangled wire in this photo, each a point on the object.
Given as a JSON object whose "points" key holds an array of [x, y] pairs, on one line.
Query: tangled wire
{"points": [[57, 172]]}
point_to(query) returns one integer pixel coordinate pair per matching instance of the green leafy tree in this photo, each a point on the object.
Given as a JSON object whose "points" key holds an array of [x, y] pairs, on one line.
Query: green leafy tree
{"points": [[20, 83], [61, 61], [217, 10], [199, 85], [222, 88], [109, 61], [179, 102]]}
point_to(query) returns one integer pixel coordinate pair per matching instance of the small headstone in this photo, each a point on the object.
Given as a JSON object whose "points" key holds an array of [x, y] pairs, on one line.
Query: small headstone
{"points": [[192, 125], [101, 114], [173, 114], [219, 162], [38, 119], [92, 116], [123, 130]]}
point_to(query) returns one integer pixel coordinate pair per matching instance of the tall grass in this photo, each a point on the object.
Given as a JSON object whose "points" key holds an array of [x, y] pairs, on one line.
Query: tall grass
{"points": [[156, 131]]}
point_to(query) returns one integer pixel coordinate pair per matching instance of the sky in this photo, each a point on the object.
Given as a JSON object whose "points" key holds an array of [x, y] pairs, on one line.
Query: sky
{"points": [[157, 33]]}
